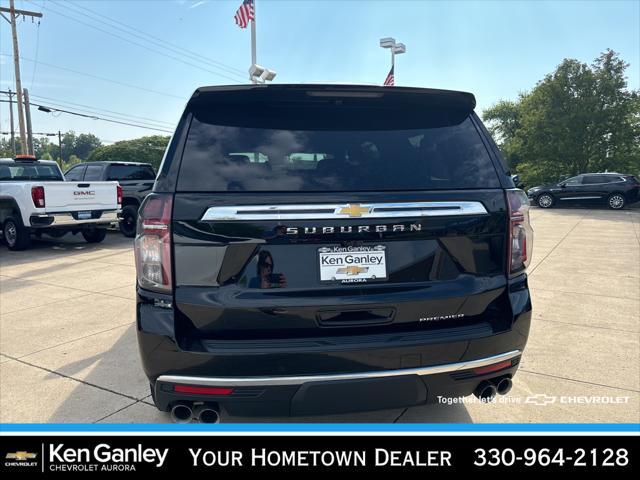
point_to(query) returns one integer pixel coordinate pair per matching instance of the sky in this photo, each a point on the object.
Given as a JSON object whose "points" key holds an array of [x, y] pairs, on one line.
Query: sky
{"points": [[111, 58]]}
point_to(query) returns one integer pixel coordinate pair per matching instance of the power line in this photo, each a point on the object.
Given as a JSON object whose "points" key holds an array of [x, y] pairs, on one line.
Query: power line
{"points": [[140, 34], [104, 79], [35, 64], [159, 52], [92, 113], [67, 103], [94, 117]]}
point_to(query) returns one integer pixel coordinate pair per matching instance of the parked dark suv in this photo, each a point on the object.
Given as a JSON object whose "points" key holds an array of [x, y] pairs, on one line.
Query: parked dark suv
{"points": [[613, 189], [326, 249], [136, 180]]}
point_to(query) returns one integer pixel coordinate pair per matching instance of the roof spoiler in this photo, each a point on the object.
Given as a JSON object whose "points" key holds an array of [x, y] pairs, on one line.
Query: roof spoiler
{"points": [[244, 94]]}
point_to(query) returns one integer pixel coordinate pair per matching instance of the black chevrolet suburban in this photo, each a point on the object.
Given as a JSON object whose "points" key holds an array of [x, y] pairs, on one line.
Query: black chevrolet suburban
{"points": [[135, 178], [312, 249]]}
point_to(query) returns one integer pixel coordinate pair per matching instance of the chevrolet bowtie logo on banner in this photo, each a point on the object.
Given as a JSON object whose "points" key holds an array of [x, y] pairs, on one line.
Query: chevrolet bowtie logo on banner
{"points": [[354, 210], [352, 270], [21, 456]]}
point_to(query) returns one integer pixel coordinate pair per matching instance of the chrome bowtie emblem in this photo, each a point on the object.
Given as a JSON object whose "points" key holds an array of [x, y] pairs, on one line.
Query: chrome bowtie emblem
{"points": [[354, 210]]}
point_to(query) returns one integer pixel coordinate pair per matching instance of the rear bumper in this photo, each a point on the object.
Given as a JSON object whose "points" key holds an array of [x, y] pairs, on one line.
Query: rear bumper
{"points": [[67, 219], [337, 393]]}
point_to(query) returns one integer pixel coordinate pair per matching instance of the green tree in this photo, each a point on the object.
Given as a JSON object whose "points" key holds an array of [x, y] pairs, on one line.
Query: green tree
{"points": [[579, 118], [84, 144], [73, 160], [145, 149], [5, 148]]}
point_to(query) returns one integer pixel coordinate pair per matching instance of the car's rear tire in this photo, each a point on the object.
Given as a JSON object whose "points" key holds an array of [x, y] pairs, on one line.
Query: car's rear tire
{"points": [[14, 234], [616, 201], [545, 200], [94, 235], [128, 221]]}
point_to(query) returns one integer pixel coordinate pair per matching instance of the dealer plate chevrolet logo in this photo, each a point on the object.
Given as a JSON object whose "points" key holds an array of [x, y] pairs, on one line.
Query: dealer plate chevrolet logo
{"points": [[354, 210], [353, 270]]}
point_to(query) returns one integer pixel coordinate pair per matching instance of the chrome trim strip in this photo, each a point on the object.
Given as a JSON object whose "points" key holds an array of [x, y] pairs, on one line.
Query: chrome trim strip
{"points": [[580, 198], [66, 219], [341, 211], [298, 380]]}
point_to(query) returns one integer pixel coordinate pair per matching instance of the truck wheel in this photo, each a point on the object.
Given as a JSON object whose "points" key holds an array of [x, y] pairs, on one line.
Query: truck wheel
{"points": [[94, 235], [128, 221], [15, 235]]}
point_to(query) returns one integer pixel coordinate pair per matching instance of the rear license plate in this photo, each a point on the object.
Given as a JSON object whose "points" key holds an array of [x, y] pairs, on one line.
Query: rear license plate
{"points": [[352, 263], [84, 215]]}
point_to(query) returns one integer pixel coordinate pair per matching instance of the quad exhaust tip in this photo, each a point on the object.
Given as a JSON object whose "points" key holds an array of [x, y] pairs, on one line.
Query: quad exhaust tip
{"points": [[181, 413], [486, 391], [504, 386], [207, 414]]}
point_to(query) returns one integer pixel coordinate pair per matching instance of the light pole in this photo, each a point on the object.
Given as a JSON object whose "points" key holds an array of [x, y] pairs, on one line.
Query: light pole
{"points": [[396, 49], [259, 74]]}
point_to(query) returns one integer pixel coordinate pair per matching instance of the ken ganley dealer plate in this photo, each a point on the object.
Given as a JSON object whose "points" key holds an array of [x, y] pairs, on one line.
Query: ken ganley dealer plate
{"points": [[352, 263]]}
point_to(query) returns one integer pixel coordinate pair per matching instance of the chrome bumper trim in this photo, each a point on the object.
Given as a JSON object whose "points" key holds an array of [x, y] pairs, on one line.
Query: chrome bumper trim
{"points": [[298, 380], [65, 219], [341, 211]]}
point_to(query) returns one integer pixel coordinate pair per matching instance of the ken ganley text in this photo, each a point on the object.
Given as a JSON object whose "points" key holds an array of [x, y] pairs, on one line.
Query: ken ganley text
{"points": [[103, 457], [262, 457]]}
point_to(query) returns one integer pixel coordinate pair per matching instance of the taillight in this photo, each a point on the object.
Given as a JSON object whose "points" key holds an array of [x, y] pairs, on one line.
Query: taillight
{"points": [[119, 190], [520, 231], [152, 246], [37, 194]]}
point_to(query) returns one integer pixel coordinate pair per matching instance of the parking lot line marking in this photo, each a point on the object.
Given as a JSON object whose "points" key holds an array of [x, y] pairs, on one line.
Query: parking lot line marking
{"points": [[582, 293], [557, 244], [70, 341], [578, 381], [72, 378], [582, 325], [73, 288], [117, 411], [45, 304]]}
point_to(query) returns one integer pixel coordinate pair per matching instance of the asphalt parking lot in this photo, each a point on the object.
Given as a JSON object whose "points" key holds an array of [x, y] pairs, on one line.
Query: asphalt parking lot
{"points": [[68, 348]]}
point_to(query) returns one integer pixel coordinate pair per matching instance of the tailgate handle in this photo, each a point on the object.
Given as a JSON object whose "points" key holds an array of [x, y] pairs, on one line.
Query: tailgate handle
{"points": [[84, 185], [351, 318]]}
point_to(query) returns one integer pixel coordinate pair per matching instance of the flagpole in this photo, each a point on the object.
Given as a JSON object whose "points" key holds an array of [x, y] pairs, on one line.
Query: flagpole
{"points": [[253, 42]]}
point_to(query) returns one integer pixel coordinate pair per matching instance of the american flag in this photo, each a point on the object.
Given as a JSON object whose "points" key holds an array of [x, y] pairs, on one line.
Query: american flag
{"points": [[390, 80], [244, 14]]}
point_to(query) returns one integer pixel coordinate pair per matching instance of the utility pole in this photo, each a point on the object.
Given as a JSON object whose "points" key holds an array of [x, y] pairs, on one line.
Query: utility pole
{"points": [[60, 148], [13, 131], [27, 111], [16, 62]]}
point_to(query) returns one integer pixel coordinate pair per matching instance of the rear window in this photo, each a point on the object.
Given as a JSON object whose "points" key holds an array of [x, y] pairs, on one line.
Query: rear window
{"points": [[18, 172], [220, 158], [93, 173], [130, 172]]}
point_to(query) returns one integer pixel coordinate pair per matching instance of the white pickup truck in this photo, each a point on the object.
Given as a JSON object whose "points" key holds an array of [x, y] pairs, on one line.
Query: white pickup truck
{"points": [[35, 199]]}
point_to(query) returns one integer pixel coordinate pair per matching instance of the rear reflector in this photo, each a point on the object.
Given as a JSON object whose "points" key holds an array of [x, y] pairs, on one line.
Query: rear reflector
{"points": [[492, 368], [202, 390]]}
